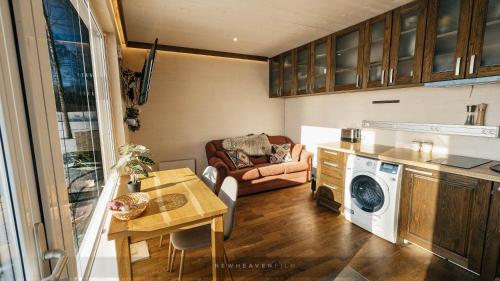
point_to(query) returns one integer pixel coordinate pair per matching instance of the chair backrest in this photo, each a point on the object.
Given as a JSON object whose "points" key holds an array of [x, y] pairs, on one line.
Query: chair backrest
{"points": [[229, 194], [209, 177]]}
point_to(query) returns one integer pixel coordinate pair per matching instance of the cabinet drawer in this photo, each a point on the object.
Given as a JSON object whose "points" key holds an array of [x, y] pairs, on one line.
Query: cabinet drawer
{"points": [[336, 183], [330, 155], [331, 168]]}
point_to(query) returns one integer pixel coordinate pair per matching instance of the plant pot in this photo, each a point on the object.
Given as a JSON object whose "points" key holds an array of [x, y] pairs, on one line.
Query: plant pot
{"points": [[134, 186]]}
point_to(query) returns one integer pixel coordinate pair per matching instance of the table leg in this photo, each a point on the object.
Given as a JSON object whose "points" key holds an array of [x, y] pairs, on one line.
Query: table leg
{"points": [[122, 246], [217, 248]]}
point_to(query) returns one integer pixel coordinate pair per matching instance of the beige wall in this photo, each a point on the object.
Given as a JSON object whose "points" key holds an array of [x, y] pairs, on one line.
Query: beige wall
{"points": [[195, 99], [318, 119]]}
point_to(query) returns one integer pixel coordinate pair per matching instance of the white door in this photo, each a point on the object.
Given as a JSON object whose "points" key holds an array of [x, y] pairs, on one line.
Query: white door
{"points": [[61, 50]]}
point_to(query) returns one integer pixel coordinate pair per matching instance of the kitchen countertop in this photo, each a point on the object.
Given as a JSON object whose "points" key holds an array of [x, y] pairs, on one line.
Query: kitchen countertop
{"points": [[411, 158]]}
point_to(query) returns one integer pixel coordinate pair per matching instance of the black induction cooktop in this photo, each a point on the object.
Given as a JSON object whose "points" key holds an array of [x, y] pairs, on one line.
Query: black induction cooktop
{"points": [[460, 161]]}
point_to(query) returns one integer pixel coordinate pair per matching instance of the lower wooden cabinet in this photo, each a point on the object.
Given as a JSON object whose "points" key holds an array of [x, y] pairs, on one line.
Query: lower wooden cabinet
{"points": [[445, 213], [491, 260], [330, 173]]}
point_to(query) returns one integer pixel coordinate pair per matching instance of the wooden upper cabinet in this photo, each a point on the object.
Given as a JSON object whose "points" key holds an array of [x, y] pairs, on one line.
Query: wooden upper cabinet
{"points": [[275, 81], [484, 47], [407, 44], [320, 69], [377, 44], [303, 69], [447, 38], [347, 59], [445, 213], [288, 87]]}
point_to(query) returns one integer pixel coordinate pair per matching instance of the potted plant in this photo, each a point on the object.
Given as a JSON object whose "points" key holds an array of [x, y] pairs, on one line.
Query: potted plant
{"points": [[135, 160]]}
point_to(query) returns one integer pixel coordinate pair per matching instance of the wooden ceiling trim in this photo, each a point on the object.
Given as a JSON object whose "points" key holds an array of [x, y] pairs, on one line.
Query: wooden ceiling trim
{"points": [[204, 52]]}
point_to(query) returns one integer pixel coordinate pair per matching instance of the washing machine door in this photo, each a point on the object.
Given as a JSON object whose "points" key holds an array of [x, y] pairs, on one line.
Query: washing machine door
{"points": [[369, 194]]}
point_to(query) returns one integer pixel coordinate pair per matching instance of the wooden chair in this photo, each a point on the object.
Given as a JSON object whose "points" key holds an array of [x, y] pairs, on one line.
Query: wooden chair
{"points": [[199, 237]]}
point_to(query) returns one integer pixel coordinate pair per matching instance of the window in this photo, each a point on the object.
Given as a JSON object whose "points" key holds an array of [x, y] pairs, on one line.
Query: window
{"points": [[78, 70]]}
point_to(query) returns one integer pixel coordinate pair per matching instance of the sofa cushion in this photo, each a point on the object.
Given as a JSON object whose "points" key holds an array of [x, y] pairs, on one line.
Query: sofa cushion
{"points": [[293, 167], [266, 170], [245, 174], [296, 150], [225, 159], [280, 153], [259, 160], [240, 159]]}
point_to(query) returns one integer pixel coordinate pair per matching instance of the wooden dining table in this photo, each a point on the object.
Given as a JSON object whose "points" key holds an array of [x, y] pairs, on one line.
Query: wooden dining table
{"points": [[178, 200]]}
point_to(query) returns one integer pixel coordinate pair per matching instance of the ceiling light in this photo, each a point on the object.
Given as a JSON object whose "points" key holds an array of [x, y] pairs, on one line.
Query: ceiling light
{"points": [[235, 39]]}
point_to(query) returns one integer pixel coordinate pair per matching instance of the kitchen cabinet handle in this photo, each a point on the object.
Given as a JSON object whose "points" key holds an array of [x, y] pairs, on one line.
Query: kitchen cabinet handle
{"points": [[330, 152], [357, 80], [472, 63], [419, 172], [382, 76], [457, 66], [331, 186], [391, 73], [330, 164]]}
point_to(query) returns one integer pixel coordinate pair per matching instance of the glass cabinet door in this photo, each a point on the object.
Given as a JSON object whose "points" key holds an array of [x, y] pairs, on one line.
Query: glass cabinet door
{"points": [[484, 52], [348, 58], [377, 46], [287, 74], [447, 38], [407, 44], [275, 77], [302, 70], [320, 68]]}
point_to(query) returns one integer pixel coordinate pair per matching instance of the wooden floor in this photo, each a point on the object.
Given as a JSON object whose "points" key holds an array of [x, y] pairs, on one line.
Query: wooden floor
{"points": [[282, 235]]}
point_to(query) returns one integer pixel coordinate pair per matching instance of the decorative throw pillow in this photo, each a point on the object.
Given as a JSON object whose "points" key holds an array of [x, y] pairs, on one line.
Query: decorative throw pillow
{"points": [[239, 159], [280, 153]]}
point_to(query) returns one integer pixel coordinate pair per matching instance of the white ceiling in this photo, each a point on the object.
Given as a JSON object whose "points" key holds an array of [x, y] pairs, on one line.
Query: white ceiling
{"points": [[263, 27]]}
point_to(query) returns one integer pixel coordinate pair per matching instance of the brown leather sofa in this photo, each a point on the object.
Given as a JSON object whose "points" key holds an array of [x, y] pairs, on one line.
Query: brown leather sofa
{"points": [[262, 176]]}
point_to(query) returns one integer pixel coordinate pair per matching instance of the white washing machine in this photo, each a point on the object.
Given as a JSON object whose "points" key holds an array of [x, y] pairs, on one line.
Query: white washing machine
{"points": [[372, 194]]}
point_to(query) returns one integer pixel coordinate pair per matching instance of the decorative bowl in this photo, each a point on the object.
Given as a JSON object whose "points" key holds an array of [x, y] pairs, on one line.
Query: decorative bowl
{"points": [[135, 203]]}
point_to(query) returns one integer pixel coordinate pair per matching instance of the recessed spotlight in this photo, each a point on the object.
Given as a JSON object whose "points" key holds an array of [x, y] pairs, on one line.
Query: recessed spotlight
{"points": [[235, 39]]}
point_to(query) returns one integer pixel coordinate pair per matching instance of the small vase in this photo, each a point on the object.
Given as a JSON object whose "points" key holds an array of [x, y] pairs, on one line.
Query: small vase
{"points": [[134, 186]]}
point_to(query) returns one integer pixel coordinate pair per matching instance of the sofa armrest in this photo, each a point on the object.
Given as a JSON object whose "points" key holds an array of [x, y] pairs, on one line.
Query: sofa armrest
{"points": [[222, 171], [306, 156]]}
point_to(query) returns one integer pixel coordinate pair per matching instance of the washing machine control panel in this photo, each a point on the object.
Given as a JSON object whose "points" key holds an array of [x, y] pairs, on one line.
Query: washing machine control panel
{"points": [[389, 168]]}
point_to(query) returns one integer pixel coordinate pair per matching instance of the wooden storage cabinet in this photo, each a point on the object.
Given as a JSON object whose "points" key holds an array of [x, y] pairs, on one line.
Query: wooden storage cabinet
{"points": [[377, 49], [275, 79], [288, 74], [407, 44], [347, 58], [448, 24], [445, 213], [302, 67], [484, 46], [331, 171], [321, 67], [422, 41], [491, 259]]}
